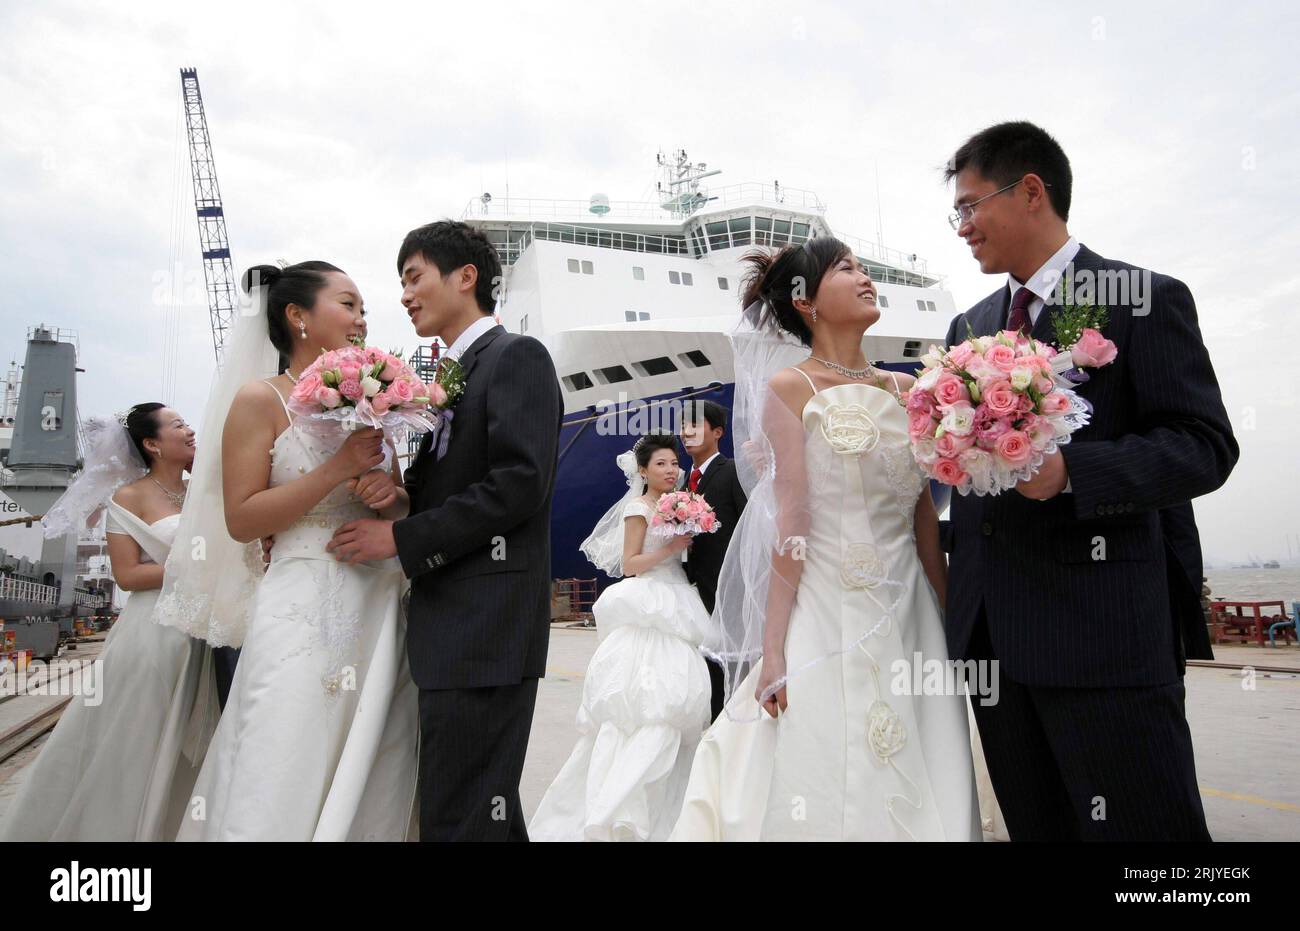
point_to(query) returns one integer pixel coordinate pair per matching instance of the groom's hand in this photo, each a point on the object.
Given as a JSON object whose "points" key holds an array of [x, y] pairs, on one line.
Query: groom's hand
{"points": [[363, 541], [376, 488], [1049, 481]]}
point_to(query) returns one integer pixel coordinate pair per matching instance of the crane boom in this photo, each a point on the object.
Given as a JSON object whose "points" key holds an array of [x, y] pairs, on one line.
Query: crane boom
{"points": [[218, 270]]}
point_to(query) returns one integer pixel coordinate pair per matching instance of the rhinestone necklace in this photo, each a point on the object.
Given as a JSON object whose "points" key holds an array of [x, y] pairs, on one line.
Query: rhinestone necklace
{"points": [[177, 498], [868, 372]]}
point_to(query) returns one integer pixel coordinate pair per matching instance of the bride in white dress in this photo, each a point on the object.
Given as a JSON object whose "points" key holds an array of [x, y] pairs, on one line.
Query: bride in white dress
{"points": [[834, 576], [319, 734], [645, 698], [120, 767]]}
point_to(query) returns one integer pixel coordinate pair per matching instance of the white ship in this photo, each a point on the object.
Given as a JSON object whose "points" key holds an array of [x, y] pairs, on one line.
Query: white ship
{"points": [[634, 300]]}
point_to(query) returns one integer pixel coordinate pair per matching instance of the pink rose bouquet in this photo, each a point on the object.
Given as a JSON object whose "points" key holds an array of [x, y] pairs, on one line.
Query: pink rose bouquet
{"points": [[685, 512], [358, 386], [983, 414]]}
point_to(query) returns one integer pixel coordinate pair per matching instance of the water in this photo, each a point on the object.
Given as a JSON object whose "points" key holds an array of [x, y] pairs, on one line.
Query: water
{"points": [[1255, 584]]}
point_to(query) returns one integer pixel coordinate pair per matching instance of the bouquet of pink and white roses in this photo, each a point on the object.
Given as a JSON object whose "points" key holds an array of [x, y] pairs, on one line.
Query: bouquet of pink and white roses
{"points": [[359, 386], [685, 512], [983, 415]]}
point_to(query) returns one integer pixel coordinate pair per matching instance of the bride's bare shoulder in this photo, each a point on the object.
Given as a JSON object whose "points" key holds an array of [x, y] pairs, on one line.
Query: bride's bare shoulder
{"points": [[792, 386]]}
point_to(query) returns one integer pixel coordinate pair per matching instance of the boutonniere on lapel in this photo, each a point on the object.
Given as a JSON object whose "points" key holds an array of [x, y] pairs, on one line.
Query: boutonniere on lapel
{"points": [[1077, 324], [444, 391]]}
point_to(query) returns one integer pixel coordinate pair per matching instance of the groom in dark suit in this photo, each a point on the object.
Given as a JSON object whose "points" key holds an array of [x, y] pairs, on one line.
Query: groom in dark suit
{"points": [[1066, 580], [713, 476], [476, 545]]}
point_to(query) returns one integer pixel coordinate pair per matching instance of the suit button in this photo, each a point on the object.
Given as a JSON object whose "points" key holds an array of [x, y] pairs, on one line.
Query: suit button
{"points": [[987, 529], [1101, 509], [1129, 506]]}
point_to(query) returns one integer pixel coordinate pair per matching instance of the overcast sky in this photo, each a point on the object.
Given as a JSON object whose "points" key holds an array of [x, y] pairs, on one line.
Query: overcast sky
{"points": [[338, 127]]}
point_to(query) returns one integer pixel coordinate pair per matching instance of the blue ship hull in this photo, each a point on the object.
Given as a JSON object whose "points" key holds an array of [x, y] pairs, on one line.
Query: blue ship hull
{"points": [[588, 482]]}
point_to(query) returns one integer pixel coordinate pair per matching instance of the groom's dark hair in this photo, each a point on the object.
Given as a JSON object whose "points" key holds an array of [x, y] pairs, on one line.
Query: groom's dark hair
{"points": [[1007, 152], [450, 244]]}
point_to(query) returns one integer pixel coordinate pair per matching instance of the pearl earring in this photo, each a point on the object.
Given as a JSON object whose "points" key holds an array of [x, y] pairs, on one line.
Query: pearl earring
{"points": [[302, 329]]}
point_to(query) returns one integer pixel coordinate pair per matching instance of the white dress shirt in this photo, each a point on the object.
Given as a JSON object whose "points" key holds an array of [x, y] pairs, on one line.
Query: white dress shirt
{"points": [[471, 333], [1043, 281]]}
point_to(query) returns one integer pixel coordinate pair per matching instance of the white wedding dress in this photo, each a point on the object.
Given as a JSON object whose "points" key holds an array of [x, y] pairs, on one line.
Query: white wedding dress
{"points": [[122, 769], [318, 739], [645, 702], [849, 759]]}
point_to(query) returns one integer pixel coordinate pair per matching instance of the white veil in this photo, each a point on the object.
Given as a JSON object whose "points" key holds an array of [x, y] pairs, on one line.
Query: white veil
{"points": [[765, 433], [209, 577], [111, 461], [604, 546]]}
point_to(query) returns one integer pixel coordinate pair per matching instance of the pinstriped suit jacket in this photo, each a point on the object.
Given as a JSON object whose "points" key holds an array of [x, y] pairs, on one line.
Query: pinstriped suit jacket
{"points": [[477, 546], [1159, 436]]}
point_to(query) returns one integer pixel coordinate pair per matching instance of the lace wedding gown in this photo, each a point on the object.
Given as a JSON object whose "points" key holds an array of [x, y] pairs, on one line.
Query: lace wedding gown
{"points": [[121, 769], [853, 757], [645, 702], [319, 735]]}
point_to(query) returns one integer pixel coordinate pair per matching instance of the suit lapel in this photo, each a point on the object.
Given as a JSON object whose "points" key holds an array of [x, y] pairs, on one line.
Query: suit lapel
{"points": [[466, 360], [1084, 260], [709, 473]]}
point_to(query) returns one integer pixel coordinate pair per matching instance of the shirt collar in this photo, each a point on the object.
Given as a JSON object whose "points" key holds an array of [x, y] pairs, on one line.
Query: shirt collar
{"points": [[471, 333], [705, 466], [1043, 281]]}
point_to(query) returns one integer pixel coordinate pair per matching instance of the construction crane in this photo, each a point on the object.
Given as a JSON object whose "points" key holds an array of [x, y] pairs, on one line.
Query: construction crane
{"points": [[218, 270]]}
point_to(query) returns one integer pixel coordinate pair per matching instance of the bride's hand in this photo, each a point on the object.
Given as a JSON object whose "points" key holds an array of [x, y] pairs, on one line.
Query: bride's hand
{"points": [[773, 670], [360, 452], [376, 488]]}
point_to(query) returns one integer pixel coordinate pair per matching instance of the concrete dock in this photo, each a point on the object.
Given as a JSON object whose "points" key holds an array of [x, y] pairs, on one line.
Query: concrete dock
{"points": [[1246, 729]]}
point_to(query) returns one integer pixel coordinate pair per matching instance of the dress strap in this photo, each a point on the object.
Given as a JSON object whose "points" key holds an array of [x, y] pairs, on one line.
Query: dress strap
{"points": [[898, 393], [281, 397], [806, 377]]}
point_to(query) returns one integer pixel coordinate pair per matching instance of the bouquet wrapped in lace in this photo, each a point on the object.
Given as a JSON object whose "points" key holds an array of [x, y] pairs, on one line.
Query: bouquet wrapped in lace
{"points": [[685, 512], [983, 415], [365, 387]]}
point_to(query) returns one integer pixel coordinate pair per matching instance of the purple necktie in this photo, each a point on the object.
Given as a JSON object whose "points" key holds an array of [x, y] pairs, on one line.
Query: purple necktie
{"points": [[1018, 319]]}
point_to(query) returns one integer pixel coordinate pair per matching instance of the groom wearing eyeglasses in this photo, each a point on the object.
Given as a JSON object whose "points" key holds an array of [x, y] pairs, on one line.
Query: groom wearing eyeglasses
{"points": [[1072, 581]]}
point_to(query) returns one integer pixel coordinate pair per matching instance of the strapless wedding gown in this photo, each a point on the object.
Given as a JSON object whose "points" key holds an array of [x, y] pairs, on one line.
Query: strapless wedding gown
{"points": [[853, 757], [645, 702], [319, 736], [121, 769]]}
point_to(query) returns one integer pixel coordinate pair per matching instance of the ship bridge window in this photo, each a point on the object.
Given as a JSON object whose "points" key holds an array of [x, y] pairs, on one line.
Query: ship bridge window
{"points": [[763, 231], [694, 359], [612, 373], [638, 273], [718, 238], [578, 381], [722, 284], [780, 232], [740, 231], [661, 365], [800, 233]]}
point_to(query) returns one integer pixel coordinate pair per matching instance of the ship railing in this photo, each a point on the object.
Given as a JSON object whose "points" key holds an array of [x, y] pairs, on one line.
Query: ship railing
{"points": [[90, 600], [730, 195], [21, 590], [520, 238], [865, 248], [55, 334]]}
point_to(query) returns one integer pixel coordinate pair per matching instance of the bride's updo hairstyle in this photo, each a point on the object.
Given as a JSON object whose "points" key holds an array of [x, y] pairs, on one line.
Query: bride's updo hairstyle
{"points": [[650, 444], [777, 279], [141, 424], [295, 284]]}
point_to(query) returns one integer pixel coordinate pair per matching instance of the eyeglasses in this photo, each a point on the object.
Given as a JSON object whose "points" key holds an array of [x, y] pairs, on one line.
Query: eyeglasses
{"points": [[966, 211]]}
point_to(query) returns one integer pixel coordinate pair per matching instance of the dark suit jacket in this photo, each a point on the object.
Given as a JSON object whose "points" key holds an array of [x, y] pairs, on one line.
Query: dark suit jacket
{"points": [[720, 486], [477, 546], [1159, 436]]}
